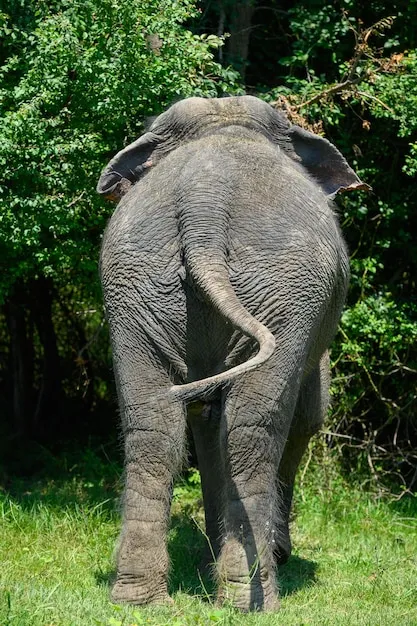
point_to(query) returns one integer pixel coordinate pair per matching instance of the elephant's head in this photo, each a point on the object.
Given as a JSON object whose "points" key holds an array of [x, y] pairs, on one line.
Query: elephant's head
{"points": [[194, 118]]}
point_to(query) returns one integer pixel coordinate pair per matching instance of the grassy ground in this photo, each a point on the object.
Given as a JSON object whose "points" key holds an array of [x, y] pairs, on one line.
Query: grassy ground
{"points": [[354, 562]]}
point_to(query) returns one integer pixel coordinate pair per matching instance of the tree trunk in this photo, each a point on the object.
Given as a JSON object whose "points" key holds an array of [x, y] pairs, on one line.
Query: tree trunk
{"points": [[240, 20], [49, 403], [21, 356]]}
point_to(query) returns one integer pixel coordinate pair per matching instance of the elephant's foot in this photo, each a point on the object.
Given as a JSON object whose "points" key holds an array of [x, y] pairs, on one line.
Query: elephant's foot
{"points": [[130, 589], [247, 589], [249, 596]]}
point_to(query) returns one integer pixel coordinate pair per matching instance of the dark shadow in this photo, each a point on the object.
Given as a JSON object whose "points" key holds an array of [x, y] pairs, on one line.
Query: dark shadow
{"points": [[187, 548], [406, 506], [296, 574], [105, 578], [88, 477], [256, 591]]}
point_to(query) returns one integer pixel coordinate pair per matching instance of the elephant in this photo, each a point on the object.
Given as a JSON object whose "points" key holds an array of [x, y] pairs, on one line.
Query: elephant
{"points": [[224, 273]]}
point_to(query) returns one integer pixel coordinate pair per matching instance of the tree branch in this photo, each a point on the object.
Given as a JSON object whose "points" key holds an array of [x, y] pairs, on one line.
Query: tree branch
{"points": [[331, 91]]}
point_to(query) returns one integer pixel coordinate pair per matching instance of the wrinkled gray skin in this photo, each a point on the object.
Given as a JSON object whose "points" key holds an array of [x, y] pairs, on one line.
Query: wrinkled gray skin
{"points": [[224, 274]]}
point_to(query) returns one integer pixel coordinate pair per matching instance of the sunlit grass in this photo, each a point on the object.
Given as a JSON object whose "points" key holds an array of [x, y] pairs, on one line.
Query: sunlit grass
{"points": [[354, 562]]}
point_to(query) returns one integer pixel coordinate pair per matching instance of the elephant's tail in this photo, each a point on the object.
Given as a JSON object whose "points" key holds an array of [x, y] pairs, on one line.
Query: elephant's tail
{"points": [[215, 284]]}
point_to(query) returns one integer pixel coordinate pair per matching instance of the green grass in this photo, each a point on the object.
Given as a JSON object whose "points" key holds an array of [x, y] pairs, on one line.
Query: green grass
{"points": [[354, 562]]}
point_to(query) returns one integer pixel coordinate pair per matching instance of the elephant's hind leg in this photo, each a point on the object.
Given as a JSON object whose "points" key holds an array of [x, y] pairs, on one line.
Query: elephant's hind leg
{"points": [[154, 434], [257, 416], [206, 433]]}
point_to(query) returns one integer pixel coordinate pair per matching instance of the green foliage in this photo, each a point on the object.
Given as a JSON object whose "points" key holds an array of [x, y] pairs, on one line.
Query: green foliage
{"points": [[381, 329], [187, 490], [78, 79], [410, 166], [315, 30], [374, 404]]}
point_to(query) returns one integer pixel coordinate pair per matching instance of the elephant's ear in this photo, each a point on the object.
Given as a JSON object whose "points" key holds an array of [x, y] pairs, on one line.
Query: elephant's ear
{"points": [[127, 166], [324, 162]]}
